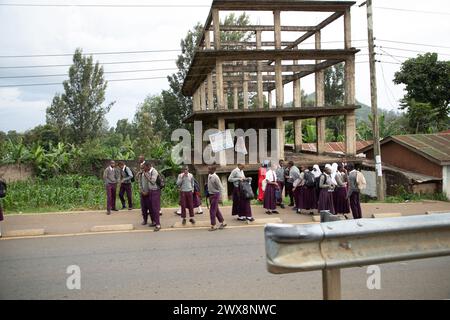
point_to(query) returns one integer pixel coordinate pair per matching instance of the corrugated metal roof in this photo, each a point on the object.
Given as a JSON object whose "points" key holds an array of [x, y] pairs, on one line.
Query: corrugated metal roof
{"points": [[335, 147], [434, 146]]}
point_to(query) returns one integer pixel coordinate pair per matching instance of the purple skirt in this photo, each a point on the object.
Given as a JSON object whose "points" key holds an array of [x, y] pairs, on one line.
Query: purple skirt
{"points": [[197, 201], [270, 202], [241, 207], [326, 201], [341, 205], [1, 212], [298, 198], [309, 198]]}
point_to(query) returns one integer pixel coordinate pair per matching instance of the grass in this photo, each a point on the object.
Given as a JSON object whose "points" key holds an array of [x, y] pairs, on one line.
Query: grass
{"points": [[70, 193], [406, 197]]}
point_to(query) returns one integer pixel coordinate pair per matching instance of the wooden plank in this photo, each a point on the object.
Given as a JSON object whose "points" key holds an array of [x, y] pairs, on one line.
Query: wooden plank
{"points": [[261, 28]]}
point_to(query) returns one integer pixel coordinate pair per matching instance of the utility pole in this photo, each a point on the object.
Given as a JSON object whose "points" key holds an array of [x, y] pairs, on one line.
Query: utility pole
{"points": [[374, 103]]}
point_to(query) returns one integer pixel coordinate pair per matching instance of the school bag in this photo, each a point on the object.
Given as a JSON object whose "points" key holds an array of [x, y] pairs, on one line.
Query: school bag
{"points": [[196, 186], [132, 172], [247, 191], [310, 180], [360, 181], [160, 181], [3, 188]]}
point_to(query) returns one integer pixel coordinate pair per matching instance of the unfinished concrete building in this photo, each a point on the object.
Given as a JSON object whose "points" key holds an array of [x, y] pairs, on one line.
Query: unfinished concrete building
{"points": [[233, 83]]}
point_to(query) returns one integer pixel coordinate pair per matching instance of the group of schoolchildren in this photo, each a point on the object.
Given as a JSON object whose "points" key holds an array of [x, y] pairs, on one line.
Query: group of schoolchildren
{"points": [[336, 189]]}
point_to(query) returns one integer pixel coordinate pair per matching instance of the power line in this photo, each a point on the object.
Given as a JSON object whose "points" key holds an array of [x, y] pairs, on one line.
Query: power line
{"points": [[90, 53], [171, 6], [416, 11], [415, 44], [102, 63], [66, 74], [60, 83], [409, 50]]}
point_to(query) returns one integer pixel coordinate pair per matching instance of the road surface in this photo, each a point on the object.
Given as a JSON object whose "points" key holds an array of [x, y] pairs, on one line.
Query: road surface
{"points": [[190, 264]]}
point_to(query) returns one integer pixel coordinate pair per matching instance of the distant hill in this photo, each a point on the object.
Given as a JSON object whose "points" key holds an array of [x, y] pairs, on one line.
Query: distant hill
{"points": [[361, 114]]}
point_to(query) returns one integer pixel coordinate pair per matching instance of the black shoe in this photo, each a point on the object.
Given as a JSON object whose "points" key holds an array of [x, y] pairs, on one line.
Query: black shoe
{"points": [[241, 219], [192, 221], [251, 219], [275, 212], [108, 212], [144, 223], [115, 210], [183, 222], [311, 213], [282, 206], [268, 212], [130, 208], [152, 225], [291, 204], [200, 212], [124, 207], [157, 228], [160, 214]]}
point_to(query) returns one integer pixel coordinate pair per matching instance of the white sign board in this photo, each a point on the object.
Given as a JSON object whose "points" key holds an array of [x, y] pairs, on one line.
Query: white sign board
{"points": [[221, 141]]}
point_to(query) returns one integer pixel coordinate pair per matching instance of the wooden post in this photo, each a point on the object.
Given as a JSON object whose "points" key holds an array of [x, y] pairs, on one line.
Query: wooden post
{"points": [[281, 137], [347, 29], [209, 76], [331, 283], [374, 102], [260, 77], [195, 102], [278, 67], [320, 102]]}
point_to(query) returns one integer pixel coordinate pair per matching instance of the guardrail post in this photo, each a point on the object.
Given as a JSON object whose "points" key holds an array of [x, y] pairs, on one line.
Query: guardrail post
{"points": [[331, 283]]}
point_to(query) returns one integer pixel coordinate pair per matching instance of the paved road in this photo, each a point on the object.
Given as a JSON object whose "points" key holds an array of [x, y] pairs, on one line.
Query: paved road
{"points": [[190, 264]]}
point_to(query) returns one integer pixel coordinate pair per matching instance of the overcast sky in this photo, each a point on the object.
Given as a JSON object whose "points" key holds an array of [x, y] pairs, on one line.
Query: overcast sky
{"points": [[60, 30]]}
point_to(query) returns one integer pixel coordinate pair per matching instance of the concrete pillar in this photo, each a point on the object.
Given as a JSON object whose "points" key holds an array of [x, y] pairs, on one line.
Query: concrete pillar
{"points": [[235, 96], [281, 137], [320, 101], [216, 24], [224, 179], [222, 154], [298, 136], [245, 88], [446, 181], [350, 134], [270, 99], [203, 96], [259, 74], [219, 85], [209, 78]]}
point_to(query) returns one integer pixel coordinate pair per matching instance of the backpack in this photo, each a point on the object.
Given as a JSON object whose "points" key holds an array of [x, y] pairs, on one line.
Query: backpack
{"points": [[360, 181], [310, 180], [3, 188], [196, 186], [247, 191], [132, 172], [160, 181], [206, 190]]}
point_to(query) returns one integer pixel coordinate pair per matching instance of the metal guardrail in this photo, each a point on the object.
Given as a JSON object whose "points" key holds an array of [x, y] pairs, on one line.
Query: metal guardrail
{"points": [[331, 246]]}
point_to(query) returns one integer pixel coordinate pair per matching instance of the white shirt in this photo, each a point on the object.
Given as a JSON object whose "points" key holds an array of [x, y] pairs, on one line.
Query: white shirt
{"points": [[271, 176]]}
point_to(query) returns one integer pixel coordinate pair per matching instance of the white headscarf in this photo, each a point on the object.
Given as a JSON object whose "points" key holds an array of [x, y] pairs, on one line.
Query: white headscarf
{"points": [[334, 167], [316, 171]]}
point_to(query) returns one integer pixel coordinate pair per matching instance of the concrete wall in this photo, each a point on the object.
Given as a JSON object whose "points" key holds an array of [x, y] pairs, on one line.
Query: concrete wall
{"points": [[15, 172], [446, 180], [371, 189]]}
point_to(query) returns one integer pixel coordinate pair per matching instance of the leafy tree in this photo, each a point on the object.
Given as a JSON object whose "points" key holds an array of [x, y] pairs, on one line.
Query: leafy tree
{"points": [[427, 82], [334, 96], [56, 115], [81, 104], [125, 128]]}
